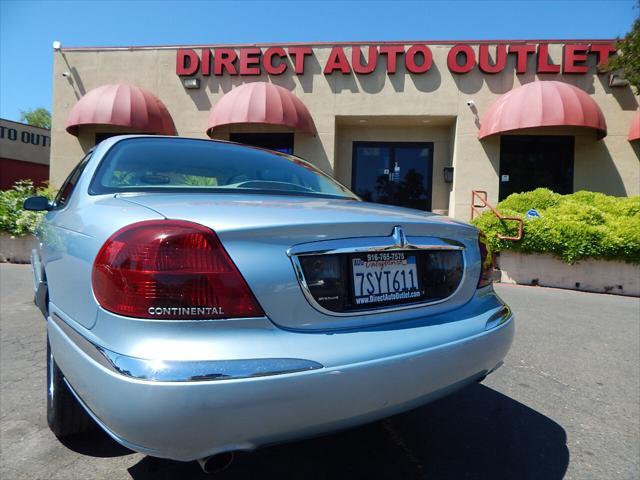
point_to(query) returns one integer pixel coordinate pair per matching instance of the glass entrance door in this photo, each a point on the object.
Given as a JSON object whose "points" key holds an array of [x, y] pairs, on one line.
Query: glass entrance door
{"points": [[528, 162], [394, 173]]}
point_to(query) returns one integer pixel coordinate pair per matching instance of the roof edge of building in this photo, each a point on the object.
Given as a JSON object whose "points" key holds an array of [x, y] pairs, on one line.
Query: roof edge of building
{"points": [[25, 124], [339, 43]]}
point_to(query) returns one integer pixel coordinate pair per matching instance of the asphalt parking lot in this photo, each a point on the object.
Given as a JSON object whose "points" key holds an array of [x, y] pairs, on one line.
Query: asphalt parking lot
{"points": [[565, 405]]}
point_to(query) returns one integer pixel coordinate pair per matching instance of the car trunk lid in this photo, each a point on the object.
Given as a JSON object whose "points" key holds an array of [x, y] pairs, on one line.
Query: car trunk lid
{"points": [[274, 239]]}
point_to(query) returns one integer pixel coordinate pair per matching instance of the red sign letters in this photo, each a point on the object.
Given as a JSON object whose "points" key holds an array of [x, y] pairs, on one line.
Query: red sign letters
{"points": [[363, 60]]}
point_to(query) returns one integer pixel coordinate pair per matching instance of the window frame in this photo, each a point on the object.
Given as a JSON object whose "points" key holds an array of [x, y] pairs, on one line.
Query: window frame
{"points": [[59, 203]]}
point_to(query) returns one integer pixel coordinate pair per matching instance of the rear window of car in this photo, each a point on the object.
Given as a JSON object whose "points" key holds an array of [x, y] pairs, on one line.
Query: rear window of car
{"points": [[179, 164]]}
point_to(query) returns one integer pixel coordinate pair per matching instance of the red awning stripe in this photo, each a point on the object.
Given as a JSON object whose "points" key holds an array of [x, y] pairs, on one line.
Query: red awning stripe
{"points": [[261, 103], [123, 106], [543, 104]]}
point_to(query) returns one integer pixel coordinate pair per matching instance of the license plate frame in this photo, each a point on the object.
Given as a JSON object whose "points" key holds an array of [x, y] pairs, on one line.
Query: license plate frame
{"points": [[373, 274]]}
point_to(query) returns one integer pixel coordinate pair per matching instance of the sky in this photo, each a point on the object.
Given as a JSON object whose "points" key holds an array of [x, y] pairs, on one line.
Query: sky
{"points": [[28, 28]]}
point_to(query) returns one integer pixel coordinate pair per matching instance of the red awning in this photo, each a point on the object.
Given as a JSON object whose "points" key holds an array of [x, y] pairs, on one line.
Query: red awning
{"points": [[261, 103], [122, 106], [543, 104], [634, 131]]}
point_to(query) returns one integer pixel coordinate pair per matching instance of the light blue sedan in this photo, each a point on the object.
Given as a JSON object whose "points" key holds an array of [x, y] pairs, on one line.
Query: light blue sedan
{"points": [[204, 297]]}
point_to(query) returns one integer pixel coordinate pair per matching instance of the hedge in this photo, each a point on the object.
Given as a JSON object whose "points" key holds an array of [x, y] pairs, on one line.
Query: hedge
{"points": [[572, 227], [14, 220]]}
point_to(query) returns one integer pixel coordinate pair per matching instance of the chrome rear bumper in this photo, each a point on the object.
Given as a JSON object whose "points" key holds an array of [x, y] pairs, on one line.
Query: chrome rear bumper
{"points": [[183, 370], [193, 419]]}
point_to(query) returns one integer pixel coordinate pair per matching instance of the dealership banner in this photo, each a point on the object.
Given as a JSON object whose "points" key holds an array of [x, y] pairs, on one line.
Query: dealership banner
{"points": [[416, 58]]}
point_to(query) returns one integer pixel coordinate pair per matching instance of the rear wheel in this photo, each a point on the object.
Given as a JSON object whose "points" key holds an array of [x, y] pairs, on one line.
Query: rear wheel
{"points": [[65, 415]]}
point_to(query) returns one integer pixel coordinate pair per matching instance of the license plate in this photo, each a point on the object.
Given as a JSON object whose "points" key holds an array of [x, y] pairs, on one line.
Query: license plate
{"points": [[385, 278]]}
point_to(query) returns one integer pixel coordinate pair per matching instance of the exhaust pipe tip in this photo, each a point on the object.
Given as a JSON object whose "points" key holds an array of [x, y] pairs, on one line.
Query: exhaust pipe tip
{"points": [[216, 463]]}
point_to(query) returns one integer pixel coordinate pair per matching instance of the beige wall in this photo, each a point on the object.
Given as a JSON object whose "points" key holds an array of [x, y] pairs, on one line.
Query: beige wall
{"points": [[610, 165]]}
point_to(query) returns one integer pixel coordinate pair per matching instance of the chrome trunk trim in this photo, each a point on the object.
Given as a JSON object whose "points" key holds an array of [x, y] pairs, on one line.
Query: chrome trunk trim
{"points": [[397, 241]]}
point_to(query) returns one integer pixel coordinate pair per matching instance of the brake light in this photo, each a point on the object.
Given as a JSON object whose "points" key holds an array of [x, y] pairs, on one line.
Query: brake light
{"points": [[170, 269], [486, 260]]}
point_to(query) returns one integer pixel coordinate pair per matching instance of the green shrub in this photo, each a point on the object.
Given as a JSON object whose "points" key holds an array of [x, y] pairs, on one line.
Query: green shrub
{"points": [[14, 220], [572, 227]]}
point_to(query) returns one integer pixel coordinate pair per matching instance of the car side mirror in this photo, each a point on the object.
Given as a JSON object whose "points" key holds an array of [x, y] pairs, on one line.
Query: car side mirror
{"points": [[37, 204]]}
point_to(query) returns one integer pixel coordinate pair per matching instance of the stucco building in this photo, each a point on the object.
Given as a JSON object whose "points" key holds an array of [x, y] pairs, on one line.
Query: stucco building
{"points": [[24, 153], [420, 124]]}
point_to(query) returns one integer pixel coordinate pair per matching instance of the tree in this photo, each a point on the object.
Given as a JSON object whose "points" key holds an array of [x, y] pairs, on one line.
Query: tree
{"points": [[40, 117], [629, 57]]}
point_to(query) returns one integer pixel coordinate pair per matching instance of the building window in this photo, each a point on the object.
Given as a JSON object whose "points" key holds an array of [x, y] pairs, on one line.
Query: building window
{"points": [[280, 142], [528, 162], [394, 173]]}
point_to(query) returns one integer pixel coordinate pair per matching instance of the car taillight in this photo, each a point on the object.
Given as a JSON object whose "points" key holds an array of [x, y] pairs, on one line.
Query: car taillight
{"points": [[170, 269], [486, 259]]}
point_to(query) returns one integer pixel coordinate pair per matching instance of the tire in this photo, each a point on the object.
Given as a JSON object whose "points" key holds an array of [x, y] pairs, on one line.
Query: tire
{"points": [[65, 416]]}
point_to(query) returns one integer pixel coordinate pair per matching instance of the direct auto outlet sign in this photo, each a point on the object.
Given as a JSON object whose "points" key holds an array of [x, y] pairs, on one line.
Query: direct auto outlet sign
{"points": [[417, 58]]}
